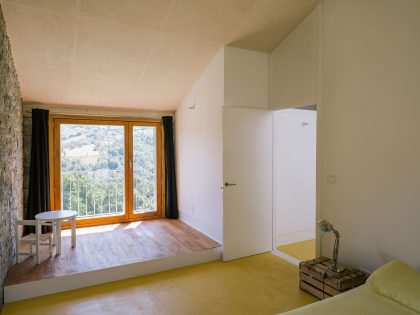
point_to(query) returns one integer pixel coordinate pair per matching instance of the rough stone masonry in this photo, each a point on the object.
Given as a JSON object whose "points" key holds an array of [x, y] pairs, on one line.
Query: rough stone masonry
{"points": [[11, 155]]}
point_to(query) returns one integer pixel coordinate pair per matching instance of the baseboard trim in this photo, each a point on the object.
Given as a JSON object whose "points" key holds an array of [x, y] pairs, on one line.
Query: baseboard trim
{"points": [[286, 257], [201, 226], [283, 239], [33, 289]]}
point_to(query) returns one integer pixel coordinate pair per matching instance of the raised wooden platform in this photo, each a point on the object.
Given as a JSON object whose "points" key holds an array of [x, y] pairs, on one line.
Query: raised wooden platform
{"points": [[108, 253]]}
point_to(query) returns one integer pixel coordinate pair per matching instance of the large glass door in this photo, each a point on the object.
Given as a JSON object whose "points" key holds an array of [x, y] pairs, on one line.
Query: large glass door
{"points": [[107, 170], [146, 156]]}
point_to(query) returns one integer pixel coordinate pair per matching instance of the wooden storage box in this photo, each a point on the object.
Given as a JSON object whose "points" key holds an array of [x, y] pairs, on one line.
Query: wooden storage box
{"points": [[318, 280]]}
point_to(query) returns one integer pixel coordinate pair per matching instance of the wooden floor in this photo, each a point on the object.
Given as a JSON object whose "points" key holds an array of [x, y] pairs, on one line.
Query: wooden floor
{"points": [[112, 245]]}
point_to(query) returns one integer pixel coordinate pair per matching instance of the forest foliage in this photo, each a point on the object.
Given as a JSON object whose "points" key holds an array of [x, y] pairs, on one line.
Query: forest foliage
{"points": [[92, 169]]}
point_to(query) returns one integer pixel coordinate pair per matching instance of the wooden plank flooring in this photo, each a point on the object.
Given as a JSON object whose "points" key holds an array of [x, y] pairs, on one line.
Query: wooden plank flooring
{"points": [[112, 245]]}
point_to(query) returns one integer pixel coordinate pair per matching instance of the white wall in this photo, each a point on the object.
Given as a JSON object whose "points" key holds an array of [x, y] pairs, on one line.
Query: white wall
{"points": [[246, 78], [368, 106], [294, 148], [370, 129], [235, 78], [368, 96], [199, 150], [293, 66]]}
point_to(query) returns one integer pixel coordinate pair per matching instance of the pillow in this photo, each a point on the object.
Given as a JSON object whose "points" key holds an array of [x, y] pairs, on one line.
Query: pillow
{"points": [[399, 282]]}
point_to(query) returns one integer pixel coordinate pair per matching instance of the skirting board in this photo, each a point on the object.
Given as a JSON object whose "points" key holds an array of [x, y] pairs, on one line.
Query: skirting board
{"points": [[201, 226], [286, 257], [33, 289], [283, 239]]}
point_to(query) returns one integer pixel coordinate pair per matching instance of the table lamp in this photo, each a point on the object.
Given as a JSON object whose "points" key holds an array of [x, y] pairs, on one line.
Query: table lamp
{"points": [[326, 226]]}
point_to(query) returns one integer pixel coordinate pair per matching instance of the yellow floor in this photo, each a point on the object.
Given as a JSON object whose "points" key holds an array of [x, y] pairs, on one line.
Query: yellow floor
{"points": [[302, 250], [261, 284]]}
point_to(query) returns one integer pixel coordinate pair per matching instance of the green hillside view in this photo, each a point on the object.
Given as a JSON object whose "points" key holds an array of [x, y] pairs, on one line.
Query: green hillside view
{"points": [[92, 169]]}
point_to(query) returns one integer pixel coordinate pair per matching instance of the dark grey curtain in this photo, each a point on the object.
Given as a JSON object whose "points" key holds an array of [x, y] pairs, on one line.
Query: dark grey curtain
{"points": [[39, 181], [170, 178]]}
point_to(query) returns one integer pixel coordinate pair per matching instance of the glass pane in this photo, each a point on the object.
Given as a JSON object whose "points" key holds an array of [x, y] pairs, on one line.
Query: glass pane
{"points": [[92, 169], [144, 169]]}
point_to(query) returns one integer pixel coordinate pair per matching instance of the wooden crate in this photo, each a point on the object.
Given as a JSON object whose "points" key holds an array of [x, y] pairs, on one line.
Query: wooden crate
{"points": [[318, 280]]}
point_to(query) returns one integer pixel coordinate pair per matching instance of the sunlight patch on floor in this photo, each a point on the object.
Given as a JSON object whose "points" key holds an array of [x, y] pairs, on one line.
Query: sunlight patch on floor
{"points": [[91, 229], [133, 225]]}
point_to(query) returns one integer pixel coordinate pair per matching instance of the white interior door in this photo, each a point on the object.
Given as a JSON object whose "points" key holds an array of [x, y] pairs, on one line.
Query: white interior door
{"points": [[247, 165]]}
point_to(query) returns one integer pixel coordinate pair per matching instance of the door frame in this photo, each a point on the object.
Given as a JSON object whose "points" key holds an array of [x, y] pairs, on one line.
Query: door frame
{"points": [[54, 122], [258, 247], [159, 171], [318, 165]]}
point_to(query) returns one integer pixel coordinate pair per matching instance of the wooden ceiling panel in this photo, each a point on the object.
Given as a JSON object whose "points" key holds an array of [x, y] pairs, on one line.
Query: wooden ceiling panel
{"points": [[209, 20], [148, 14], [143, 54], [270, 22]]}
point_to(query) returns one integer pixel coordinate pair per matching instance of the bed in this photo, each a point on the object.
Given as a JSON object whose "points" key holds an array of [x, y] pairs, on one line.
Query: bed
{"points": [[392, 289]]}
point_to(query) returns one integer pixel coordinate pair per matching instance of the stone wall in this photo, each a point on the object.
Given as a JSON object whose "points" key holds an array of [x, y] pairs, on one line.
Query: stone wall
{"points": [[11, 155]]}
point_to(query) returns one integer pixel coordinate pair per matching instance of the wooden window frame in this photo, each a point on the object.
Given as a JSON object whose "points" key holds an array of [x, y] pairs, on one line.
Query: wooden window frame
{"points": [[128, 123]]}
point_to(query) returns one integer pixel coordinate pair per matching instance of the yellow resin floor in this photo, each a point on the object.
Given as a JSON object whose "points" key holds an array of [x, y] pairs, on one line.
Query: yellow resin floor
{"points": [[261, 284], [302, 250]]}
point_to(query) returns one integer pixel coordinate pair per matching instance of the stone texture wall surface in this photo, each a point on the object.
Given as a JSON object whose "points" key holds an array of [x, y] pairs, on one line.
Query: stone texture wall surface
{"points": [[11, 155]]}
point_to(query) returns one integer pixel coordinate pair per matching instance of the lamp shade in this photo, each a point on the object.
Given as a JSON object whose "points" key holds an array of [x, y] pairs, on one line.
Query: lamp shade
{"points": [[325, 226]]}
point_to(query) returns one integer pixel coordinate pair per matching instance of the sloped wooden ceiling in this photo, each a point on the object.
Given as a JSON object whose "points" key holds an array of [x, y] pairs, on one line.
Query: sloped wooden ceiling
{"points": [[142, 54]]}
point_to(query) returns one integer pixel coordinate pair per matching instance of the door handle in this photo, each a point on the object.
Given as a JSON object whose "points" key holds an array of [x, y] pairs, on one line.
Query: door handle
{"points": [[229, 184]]}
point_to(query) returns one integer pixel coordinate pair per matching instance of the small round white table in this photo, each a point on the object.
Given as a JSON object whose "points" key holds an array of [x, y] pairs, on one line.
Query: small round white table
{"points": [[56, 218]]}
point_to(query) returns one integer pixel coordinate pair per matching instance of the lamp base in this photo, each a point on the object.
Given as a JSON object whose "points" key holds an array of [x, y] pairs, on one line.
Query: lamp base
{"points": [[336, 268]]}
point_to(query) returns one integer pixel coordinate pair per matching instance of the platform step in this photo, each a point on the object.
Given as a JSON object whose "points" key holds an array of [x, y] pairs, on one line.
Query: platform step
{"points": [[27, 290]]}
